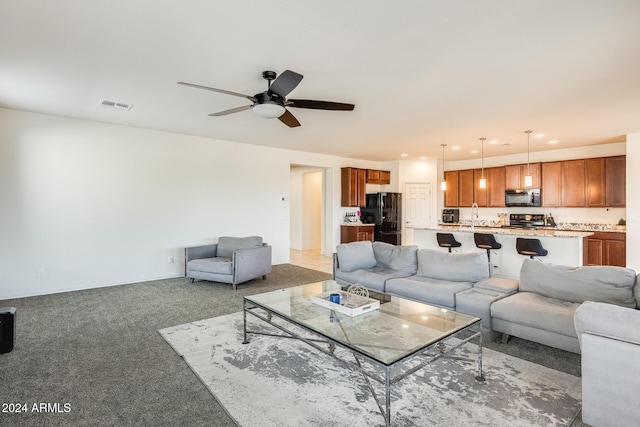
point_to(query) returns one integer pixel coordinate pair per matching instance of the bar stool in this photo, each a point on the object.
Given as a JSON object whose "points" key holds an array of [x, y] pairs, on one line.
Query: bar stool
{"points": [[446, 240], [530, 247], [488, 242]]}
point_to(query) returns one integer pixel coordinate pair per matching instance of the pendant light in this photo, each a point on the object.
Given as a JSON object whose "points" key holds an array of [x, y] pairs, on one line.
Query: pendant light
{"points": [[443, 183], [528, 179], [483, 182]]}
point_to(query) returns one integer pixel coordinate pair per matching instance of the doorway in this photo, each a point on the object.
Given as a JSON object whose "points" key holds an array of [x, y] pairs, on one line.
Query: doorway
{"points": [[417, 208], [307, 216]]}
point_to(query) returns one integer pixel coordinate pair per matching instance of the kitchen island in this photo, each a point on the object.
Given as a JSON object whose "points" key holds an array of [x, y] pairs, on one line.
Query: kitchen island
{"points": [[565, 247]]}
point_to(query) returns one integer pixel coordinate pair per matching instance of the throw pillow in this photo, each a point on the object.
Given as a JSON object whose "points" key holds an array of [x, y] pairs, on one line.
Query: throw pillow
{"points": [[355, 256], [467, 267], [609, 284], [397, 258]]}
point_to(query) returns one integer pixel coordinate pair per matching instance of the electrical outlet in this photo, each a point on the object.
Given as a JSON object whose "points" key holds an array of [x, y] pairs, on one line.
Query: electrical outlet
{"points": [[41, 272], [170, 260]]}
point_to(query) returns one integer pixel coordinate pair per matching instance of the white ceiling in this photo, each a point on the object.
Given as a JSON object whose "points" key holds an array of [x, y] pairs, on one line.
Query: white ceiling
{"points": [[420, 72]]}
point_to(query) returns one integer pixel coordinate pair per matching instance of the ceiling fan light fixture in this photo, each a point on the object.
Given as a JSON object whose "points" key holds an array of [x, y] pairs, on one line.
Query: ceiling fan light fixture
{"points": [[269, 110]]}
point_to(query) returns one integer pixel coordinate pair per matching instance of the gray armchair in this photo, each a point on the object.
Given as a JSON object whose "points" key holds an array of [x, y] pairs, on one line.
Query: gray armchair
{"points": [[610, 342], [232, 260]]}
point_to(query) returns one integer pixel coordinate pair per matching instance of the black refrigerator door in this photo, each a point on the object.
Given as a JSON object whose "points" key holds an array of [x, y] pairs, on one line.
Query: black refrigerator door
{"points": [[391, 212]]}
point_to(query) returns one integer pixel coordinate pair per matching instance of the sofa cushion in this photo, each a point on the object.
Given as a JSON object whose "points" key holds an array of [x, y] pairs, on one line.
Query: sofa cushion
{"points": [[227, 245], [398, 258], [219, 265], [613, 285], [427, 290], [355, 256], [537, 311], [467, 267], [373, 278], [498, 284]]}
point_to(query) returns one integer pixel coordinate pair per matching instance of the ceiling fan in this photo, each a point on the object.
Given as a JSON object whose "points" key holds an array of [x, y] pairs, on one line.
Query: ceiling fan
{"points": [[272, 102]]}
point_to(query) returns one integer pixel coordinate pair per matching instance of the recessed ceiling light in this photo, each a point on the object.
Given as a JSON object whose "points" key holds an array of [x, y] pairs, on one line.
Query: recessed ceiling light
{"points": [[403, 155], [423, 158], [455, 148], [493, 142], [474, 152], [554, 141], [538, 135]]}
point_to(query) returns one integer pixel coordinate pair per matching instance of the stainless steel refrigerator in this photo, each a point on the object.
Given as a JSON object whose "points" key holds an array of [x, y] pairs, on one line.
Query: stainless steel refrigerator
{"points": [[384, 210]]}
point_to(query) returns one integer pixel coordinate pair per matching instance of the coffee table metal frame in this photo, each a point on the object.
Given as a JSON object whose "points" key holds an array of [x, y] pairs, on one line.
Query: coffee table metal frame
{"points": [[441, 346]]}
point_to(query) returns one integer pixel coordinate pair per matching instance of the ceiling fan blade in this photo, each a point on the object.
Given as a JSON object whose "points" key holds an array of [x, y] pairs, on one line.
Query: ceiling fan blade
{"points": [[285, 83], [250, 98], [319, 105], [289, 119], [231, 111]]}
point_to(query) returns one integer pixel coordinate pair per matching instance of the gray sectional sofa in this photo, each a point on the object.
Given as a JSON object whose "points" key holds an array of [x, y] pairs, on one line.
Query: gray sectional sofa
{"points": [[610, 342], [458, 282], [543, 309], [539, 307]]}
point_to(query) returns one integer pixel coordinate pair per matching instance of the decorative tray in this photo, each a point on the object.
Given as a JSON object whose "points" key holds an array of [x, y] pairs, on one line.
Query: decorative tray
{"points": [[350, 304]]}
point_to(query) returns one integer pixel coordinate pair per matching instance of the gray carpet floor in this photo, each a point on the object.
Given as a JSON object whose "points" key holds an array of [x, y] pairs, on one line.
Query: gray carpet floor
{"points": [[98, 351]]}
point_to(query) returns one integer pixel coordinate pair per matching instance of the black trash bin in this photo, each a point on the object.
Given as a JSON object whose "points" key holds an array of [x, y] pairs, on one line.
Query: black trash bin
{"points": [[7, 329]]}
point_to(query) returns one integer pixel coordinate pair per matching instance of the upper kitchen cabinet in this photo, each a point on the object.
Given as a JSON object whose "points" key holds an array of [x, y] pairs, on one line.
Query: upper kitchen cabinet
{"points": [[514, 175], [465, 188], [378, 177], [615, 169], [496, 183], [573, 183], [353, 187], [594, 182], [551, 184], [479, 194], [451, 193]]}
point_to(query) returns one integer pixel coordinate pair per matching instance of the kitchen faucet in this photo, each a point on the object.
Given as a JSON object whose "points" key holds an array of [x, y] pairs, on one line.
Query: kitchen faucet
{"points": [[474, 214]]}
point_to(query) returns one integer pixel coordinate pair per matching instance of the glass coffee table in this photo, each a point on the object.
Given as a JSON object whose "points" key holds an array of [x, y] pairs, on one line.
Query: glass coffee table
{"points": [[399, 338]]}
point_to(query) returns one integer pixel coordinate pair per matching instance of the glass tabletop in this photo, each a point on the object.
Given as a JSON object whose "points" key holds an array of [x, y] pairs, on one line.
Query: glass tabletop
{"points": [[399, 328]]}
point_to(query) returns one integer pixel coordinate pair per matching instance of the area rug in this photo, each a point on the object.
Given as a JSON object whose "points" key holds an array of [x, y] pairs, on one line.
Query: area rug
{"points": [[284, 382]]}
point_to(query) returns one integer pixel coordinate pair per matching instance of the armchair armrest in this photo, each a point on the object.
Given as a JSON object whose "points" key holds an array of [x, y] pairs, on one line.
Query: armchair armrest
{"points": [[251, 263], [609, 321], [199, 252]]}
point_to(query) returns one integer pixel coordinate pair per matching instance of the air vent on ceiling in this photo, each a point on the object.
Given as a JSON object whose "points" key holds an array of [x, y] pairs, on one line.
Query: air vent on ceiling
{"points": [[116, 105]]}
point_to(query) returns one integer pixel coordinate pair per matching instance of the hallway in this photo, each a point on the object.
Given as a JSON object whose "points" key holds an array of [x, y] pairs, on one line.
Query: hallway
{"points": [[312, 259]]}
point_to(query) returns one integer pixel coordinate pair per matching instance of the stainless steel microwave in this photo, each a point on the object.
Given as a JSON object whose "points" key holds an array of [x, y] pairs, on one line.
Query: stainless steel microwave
{"points": [[527, 197]]}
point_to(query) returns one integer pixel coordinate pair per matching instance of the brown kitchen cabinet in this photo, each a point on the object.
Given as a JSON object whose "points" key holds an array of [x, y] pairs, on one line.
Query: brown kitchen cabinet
{"points": [[353, 187], [514, 176], [496, 186], [378, 177], [480, 194], [451, 193], [606, 248], [594, 182], [551, 184], [356, 233], [465, 188], [573, 183], [615, 169]]}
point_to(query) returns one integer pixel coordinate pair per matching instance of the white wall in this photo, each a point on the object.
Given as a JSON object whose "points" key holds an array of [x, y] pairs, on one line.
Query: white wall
{"points": [[86, 204], [633, 202]]}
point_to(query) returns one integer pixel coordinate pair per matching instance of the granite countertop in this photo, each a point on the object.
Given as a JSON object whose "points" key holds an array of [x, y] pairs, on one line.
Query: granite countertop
{"points": [[542, 232], [358, 223]]}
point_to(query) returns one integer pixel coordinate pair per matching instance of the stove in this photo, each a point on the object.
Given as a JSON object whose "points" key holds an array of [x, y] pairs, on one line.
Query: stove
{"points": [[526, 221]]}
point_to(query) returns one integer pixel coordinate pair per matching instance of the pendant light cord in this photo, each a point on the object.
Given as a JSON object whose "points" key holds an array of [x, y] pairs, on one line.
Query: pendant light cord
{"points": [[528, 132]]}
